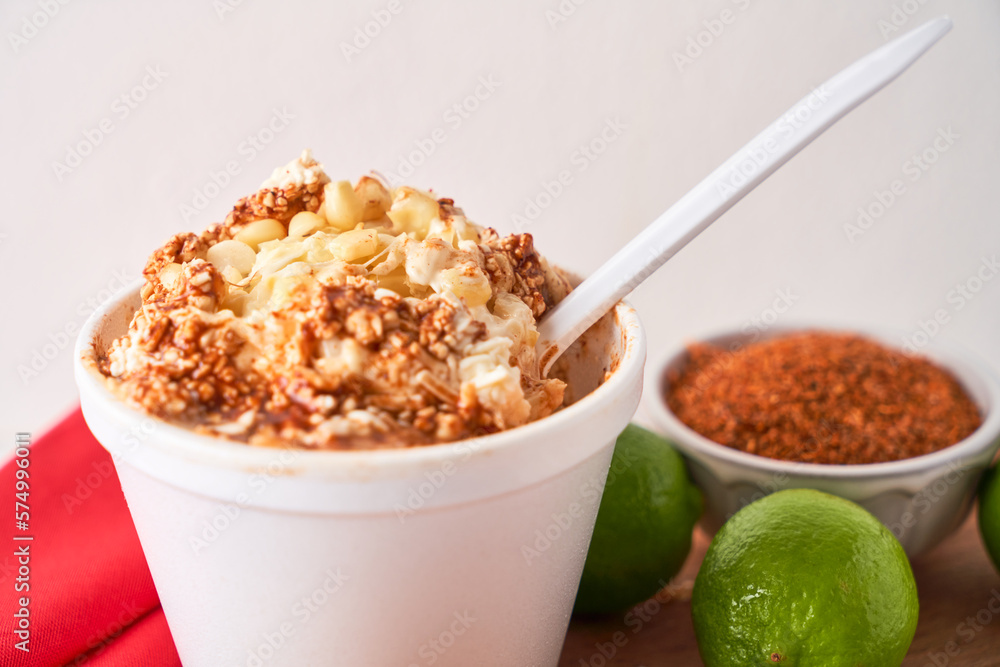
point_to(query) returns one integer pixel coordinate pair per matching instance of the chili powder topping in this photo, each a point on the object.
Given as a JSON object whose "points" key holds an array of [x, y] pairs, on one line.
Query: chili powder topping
{"points": [[821, 398]]}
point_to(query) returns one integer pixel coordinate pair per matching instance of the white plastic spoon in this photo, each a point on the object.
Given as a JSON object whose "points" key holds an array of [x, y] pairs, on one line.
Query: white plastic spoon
{"points": [[725, 186]]}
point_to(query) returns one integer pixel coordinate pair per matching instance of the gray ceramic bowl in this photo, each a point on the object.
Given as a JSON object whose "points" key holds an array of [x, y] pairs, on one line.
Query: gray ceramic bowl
{"points": [[922, 499]]}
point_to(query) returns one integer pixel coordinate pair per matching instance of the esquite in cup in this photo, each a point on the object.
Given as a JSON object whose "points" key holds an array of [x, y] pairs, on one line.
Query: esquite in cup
{"points": [[467, 553]]}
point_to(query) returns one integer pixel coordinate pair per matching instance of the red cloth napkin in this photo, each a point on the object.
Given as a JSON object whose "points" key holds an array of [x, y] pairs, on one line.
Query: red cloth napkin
{"points": [[91, 600]]}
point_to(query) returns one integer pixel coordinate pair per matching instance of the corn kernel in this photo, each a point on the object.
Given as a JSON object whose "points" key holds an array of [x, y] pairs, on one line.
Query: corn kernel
{"points": [[305, 223], [355, 244], [260, 231], [394, 280], [236, 301], [341, 207], [284, 290], [234, 254], [374, 198], [170, 274], [468, 283], [232, 275], [412, 211]]}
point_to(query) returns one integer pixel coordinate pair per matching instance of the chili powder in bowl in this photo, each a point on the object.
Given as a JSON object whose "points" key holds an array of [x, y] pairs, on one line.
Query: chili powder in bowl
{"points": [[907, 436]]}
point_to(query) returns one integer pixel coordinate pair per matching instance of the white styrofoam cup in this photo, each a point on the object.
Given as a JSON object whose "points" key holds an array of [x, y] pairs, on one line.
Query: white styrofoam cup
{"points": [[467, 553]]}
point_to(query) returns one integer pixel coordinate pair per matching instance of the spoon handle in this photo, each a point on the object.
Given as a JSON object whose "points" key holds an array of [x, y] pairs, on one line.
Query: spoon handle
{"points": [[729, 183]]}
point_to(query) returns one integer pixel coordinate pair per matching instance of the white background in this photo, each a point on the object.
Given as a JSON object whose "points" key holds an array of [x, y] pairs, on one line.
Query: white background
{"points": [[66, 235]]}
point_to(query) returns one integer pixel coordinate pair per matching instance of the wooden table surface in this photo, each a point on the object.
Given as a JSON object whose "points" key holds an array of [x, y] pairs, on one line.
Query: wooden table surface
{"points": [[956, 582]]}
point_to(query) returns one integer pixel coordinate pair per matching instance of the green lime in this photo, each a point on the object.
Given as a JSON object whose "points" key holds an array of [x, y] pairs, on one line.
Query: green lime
{"points": [[989, 514], [644, 524], [803, 578]]}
